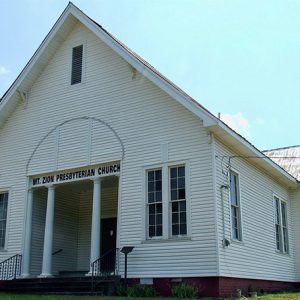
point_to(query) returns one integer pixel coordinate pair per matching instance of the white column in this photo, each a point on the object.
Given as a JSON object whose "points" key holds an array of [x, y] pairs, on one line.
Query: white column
{"points": [[48, 237], [27, 242], [96, 221]]}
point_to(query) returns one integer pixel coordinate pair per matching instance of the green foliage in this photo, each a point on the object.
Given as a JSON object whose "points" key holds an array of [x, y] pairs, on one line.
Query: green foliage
{"points": [[184, 291], [141, 290], [252, 289], [121, 290]]}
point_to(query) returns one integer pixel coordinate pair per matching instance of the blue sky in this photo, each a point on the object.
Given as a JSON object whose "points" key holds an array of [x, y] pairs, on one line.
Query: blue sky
{"points": [[240, 58]]}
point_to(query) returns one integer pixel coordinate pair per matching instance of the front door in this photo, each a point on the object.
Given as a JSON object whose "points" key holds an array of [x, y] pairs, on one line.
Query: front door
{"points": [[108, 244], [108, 234]]}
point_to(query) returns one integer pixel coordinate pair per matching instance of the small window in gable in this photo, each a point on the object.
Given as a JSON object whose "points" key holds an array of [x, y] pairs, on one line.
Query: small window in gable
{"points": [[77, 56]]}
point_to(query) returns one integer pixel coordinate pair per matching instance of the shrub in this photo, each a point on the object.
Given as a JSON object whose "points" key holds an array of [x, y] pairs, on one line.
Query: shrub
{"points": [[121, 290], [184, 291], [141, 290], [252, 289]]}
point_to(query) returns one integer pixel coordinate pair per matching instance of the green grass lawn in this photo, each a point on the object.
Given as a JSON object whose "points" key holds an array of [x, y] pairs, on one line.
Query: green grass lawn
{"points": [[289, 296]]}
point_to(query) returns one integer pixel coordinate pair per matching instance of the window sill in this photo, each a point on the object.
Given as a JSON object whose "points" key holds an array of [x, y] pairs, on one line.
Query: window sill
{"points": [[237, 242], [282, 253], [3, 250], [171, 240]]}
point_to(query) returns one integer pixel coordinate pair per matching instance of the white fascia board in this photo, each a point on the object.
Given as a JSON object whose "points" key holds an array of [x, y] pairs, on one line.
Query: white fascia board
{"points": [[208, 119], [256, 152]]}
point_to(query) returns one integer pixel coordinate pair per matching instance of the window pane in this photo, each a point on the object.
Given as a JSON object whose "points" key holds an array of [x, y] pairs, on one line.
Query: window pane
{"points": [[159, 219], [179, 218], [175, 218], [173, 172], [182, 229], [151, 176], [158, 196], [181, 194], [158, 208], [155, 219], [158, 185], [277, 214], [159, 231], [150, 186], [154, 186], [283, 214], [174, 206], [174, 195], [150, 197], [285, 240], [181, 183], [174, 183], [181, 172], [151, 219], [154, 203], [277, 228], [177, 183], [3, 217], [175, 229], [151, 231], [158, 175], [182, 206], [281, 231], [183, 217], [235, 206], [233, 192]]}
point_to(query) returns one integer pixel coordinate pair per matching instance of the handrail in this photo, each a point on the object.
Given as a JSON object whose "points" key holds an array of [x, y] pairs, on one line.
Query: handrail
{"points": [[11, 267], [106, 265], [57, 251]]}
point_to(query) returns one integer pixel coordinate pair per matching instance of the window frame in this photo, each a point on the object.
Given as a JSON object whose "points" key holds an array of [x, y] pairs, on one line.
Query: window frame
{"points": [[239, 206], [167, 236], [8, 191], [147, 204], [282, 244], [170, 201]]}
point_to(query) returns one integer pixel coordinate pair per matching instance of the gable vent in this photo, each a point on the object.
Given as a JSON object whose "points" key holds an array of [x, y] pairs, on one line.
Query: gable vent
{"points": [[77, 64]]}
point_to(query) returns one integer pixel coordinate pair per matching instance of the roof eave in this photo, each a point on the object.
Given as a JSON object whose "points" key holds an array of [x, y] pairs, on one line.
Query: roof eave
{"points": [[16, 84], [242, 145]]}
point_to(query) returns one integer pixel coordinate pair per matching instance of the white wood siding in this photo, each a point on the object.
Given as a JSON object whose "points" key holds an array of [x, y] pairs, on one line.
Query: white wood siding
{"points": [[255, 256], [295, 208], [144, 117]]}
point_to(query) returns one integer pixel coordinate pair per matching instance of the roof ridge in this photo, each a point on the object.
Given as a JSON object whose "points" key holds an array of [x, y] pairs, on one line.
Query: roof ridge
{"points": [[281, 148]]}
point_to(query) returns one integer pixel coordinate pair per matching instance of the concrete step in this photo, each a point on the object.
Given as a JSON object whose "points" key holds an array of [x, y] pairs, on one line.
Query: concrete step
{"points": [[56, 285]]}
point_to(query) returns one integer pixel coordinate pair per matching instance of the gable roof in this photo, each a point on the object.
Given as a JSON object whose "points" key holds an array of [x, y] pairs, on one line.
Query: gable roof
{"points": [[59, 32], [287, 157]]}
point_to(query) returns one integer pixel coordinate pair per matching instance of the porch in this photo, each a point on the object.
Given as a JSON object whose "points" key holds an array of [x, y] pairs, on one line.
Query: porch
{"points": [[72, 225]]}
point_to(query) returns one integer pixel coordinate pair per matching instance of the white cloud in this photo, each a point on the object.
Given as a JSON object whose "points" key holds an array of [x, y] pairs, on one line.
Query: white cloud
{"points": [[237, 122], [3, 70]]}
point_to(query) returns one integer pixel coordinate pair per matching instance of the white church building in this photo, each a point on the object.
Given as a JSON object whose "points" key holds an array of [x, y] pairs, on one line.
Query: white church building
{"points": [[99, 151]]}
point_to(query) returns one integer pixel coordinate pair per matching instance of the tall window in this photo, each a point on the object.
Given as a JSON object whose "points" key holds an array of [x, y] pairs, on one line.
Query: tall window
{"points": [[281, 225], [77, 64], [236, 228], [154, 203], [3, 217], [178, 200]]}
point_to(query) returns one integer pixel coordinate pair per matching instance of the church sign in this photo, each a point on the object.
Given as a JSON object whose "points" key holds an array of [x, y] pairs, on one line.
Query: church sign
{"points": [[75, 175]]}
